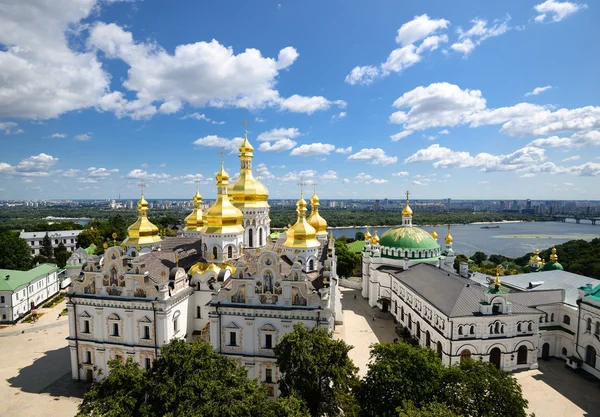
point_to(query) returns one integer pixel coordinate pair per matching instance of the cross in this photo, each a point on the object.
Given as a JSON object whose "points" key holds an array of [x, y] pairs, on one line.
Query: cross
{"points": [[407, 194], [222, 153], [301, 184], [142, 185], [314, 183], [197, 181], [246, 123]]}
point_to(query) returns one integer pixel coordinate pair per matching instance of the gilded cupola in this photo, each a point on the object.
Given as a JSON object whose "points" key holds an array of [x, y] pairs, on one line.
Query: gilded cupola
{"points": [[247, 191], [315, 219], [375, 239], [449, 238], [194, 222], [367, 235], [142, 232], [222, 217], [434, 233], [301, 234]]}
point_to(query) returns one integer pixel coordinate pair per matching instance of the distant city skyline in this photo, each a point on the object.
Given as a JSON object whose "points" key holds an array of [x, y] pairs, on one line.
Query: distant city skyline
{"points": [[486, 100]]}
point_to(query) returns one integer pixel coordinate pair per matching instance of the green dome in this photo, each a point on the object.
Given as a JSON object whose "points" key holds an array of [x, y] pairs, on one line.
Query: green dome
{"points": [[551, 266], [408, 238]]}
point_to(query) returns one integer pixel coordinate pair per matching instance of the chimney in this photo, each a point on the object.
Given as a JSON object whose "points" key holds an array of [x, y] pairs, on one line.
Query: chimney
{"points": [[405, 265], [7, 277], [464, 270]]}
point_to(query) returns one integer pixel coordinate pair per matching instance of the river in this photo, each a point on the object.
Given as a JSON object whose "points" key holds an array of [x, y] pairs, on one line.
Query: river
{"points": [[511, 239]]}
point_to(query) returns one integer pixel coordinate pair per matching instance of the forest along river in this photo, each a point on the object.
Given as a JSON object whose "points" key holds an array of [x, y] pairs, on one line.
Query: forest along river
{"points": [[510, 239]]}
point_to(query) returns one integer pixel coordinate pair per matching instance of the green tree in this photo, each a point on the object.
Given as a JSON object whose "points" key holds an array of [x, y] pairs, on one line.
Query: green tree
{"points": [[47, 249], [397, 373], [347, 261], [409, 409], [15, 253], [188, 379], [318, 369], [497, 259], [479, 257], [359, 236], [89, 236], [478, 388], [60, 248], [459, 258]]}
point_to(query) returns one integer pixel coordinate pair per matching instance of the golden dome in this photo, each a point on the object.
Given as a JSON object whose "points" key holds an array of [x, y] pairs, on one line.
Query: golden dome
{"points": [[536, 257], [315, 219], [449, 237], [142, 232], [367, 235], [301, 234], [247, 191], [375, 239], [407, 212], [194, 221], [222, 217], [554, 256], [434, 233]]}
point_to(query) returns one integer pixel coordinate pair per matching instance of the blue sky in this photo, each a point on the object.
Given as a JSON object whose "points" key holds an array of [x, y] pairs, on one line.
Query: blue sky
{"points": [[464, 99]]}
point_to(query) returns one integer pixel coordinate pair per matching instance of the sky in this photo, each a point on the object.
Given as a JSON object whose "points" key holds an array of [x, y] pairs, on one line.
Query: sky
{"points": [[462, 99]]}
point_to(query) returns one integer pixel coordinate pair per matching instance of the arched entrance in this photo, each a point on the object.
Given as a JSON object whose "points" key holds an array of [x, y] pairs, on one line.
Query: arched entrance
{"points": [[465, 354], [385, 305], [495, 357], [546, 351], [522, 355], [590, 356]]}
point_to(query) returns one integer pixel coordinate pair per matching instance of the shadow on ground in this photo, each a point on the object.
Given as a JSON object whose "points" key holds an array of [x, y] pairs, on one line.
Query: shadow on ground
{"points": [[46, 375], [359, 306], [578, 386]]}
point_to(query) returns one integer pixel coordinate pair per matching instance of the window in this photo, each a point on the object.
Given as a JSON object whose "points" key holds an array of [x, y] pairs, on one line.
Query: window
{"points": [[2, 299], [86, 326], [230, 252], [260, 237], [597, 331], [268, 341], [268, 375], [215, 253], [465, 354], [232, 339], [530, 327], [115, 329], [460, 330], [4, 317], [564, 351], [566, 320], [146, 333], [590, 356], [198, 312], [88, 357], [472, 329], [148, 363], [176, 324], [588, 328], [519, 327]]}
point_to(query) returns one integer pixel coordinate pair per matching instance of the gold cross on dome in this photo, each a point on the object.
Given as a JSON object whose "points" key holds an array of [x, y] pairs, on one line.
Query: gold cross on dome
{"points": [[407, 194], [142, 185], [197, 181], [314, 184], [246, 123], [222, 153], [301, 184]]}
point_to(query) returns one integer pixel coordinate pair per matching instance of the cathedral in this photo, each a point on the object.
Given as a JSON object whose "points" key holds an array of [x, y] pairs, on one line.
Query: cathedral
{"points": [[226, 280]]}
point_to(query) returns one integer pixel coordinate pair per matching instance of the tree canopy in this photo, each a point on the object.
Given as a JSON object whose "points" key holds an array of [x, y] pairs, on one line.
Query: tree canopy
{"points": [[188, 379], [317, 368], [347, 261], [15, 253]]}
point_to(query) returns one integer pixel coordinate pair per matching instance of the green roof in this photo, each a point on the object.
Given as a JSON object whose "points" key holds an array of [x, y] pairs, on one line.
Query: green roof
{"points": [[356, 246], [551, 266], [275, 235], [20, 279], [90, 250], [408, 238]]}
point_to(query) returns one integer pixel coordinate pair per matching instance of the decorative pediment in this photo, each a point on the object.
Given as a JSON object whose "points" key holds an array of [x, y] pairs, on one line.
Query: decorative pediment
{"points": [[145, 320], [114, 316], [85, 314], [268, 328], [233, 326]]}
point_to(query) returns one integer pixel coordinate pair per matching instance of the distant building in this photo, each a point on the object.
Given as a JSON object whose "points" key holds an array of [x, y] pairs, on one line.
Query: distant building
{"points": [[35, 239], [20, 291]]}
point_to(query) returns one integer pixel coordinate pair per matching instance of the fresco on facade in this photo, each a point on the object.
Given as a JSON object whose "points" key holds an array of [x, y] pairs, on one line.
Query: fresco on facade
{"points": [[268, 282], [297, 298], [240, 295]]}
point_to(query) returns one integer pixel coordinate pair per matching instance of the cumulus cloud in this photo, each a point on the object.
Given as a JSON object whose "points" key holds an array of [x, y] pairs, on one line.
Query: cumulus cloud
{"points": [[421, 29], [297, 176], [364, 178], [329, 176], [401, 135], [572, 158], [400, 174], [577, 140], [556, 10], [538, 90], [219, 142], [316, 148], [101, 172], [34, 166], [71, 173], [479, 32], [193, 179], [344, 150], [308, 105], [198, 116], [84, 137], [340, 115], [280, 145], [373, 156], [263, 172], [278, 134], [144, 175], [58, 136]]}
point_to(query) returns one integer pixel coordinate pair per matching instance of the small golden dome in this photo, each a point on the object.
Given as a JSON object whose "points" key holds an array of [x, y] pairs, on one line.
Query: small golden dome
{"points": [[301, 234], [222, 217], [407, 212], [247, 191], [554, 256], [449, 238], [536, 257], [434, 233], [367, 235], [142, 232], [375, 239], [195, 221], [315, 219]]}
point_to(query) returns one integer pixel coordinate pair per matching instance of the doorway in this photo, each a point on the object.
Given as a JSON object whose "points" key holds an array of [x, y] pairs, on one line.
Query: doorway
{"points": [[495, 356], [89, 375], [522, 355], [546, 351]]}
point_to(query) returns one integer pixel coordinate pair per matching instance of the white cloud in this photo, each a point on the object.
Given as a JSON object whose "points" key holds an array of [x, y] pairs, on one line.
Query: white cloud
{"points": [[329, 175], [83, 137], [556, 10], [71, 173], [297, 176], [572, 158], [483, 182], [84, 180], [34, 166], [193, 179], [163, 165], [263, 172], [259, 120], [467, 41], [443, 132], [141, 174], [401, 135], [345, 181], [58, 135], [529, 175], [374, 156], [218, 142], [6, 126], [344, 150], [42, 76], [538, 90], [577, 140], [101, 172], [589, 169], [308, 105], [341, 115], [280, 145], [278, 134], [420, 183], [198, 116], [316, 148], [368, 179], [400, 174], [421, 28]]}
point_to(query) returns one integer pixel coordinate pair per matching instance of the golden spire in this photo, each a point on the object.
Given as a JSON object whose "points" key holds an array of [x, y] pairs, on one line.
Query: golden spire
{"points": [[497, 280], [315, 219], [301, 234], [194, 221], [449, 237], [536, 256], [434, 233], [222, 217], [407, 212], [142, 231], [554, 256], [367, 235]]}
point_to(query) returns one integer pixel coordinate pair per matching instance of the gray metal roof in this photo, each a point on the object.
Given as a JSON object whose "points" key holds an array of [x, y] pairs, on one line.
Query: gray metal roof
{"points": [[58, 233], [550, 280], [538, 297], [452, 295]]}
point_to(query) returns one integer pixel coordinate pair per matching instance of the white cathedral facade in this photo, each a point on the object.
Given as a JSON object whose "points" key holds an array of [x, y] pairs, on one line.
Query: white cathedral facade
{"points": [[224, 281]]}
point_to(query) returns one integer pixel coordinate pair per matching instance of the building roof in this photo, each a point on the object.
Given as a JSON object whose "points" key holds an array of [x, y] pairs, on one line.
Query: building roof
{"points": [[356, 246], [550, 280], [538, 297], [20, 279], [408, 238], [175, 251], [452, 295], [58, 233]]}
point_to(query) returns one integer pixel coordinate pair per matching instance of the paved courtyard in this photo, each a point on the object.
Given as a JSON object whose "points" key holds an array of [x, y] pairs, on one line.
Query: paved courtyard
{"points": [[35, 371], [552, 390]]}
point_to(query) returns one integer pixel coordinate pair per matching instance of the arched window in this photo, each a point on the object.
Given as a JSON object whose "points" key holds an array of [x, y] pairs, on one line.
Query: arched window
{"points": [[260, 237], [250, 238], [518, 327], [590, 356], [552, 317], [497, 328], [597, 331], [522, 355], [530, 327], [230, 252], [589, 325], [472, 329], [541, 319], [311, 265], [133, 254], [460, 331], [465, 354], [205, 250], [564, 351], [440, 352], [566, 320]]}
